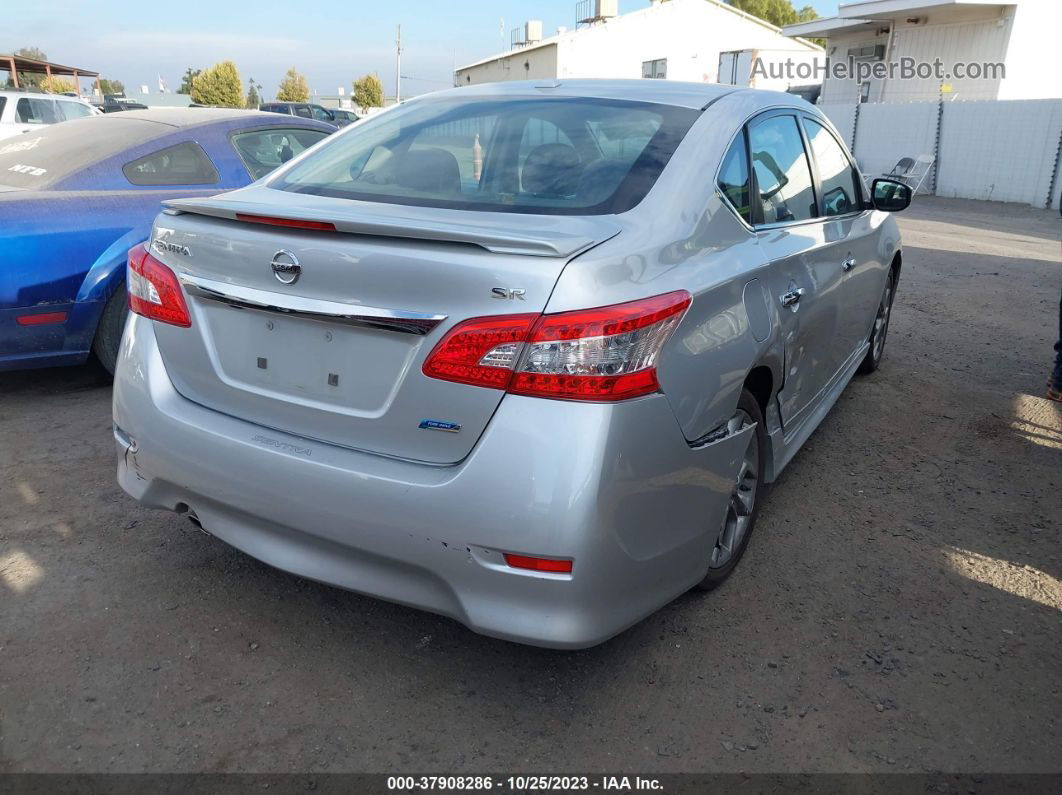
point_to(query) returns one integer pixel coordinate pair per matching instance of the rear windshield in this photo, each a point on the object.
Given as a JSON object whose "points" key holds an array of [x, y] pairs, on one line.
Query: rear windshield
{"points": [[562, 156], [42, 157]]}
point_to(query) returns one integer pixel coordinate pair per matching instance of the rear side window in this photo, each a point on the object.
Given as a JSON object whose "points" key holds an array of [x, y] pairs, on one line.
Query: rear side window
{"points": [[31, 110], [734, 179], [3, 104], [263, 150], [558, 156], [784, 188], [183, 164], [840, 188]]}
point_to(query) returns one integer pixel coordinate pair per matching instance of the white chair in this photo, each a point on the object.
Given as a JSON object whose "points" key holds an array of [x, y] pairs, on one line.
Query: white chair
{"points": [[912, 172]]}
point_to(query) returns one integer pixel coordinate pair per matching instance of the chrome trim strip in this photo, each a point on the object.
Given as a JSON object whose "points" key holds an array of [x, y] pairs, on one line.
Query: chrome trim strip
{"points": [[239, 297]]}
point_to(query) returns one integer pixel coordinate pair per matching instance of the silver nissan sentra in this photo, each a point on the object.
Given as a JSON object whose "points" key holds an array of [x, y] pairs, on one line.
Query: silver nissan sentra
{"points": [[521, 354]]}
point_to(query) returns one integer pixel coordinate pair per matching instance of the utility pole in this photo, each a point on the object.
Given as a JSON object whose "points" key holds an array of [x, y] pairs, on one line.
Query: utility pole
{"points": [[398, 66]]}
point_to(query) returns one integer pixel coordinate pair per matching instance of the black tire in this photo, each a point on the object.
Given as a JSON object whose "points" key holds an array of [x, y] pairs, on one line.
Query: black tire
{"points": [[109, 331], [876, 351], [718, 573]]}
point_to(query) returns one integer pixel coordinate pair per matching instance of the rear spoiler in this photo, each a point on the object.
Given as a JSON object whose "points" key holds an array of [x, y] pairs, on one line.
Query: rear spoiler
{"points": [[502, 233]]}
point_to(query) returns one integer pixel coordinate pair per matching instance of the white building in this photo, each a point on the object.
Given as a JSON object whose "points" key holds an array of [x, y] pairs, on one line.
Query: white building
{"points": [[1019, 34], [672, 39]]}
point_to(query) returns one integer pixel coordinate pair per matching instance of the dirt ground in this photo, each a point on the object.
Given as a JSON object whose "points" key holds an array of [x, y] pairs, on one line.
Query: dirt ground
{"points": [[899, 607]]}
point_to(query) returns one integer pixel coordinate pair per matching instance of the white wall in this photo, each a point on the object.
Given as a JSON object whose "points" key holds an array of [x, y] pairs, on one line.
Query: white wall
{"points": [[690, 34], [998, 150], [1002, 151]]}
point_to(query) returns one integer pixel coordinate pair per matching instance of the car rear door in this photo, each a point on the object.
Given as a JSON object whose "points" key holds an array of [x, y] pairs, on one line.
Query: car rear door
{"points": [[803, 279]]}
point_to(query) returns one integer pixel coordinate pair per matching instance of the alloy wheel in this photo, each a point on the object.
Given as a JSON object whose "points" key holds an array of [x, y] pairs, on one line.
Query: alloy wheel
{"points": [[881, 321], [742, 499]]}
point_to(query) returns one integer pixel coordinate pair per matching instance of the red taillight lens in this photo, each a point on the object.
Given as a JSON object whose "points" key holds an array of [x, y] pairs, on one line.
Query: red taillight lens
{"points": [[154, 291], [603, 354], [481, 351], [538, 564], [608, 353]]}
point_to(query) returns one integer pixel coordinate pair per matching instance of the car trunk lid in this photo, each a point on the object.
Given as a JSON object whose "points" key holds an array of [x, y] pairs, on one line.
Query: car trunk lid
{"points": [[335, 355]]}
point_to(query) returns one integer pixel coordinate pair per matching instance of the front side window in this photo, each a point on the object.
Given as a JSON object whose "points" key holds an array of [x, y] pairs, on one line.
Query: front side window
{"points": [[74, 110], [530, 155], [183, 164], [263, 150], [31, 110], [301, 110], [783, 176], [322, 115], [734, 178], [840, 191]]}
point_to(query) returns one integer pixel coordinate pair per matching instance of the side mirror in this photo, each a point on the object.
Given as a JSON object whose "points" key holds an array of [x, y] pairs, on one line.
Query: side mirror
{"points": [[889, 195]]}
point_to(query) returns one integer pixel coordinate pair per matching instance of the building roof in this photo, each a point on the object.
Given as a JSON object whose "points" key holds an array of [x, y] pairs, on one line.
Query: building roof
{"points": [[666, 92], [24, 64], [550, 41], [866, 14]]}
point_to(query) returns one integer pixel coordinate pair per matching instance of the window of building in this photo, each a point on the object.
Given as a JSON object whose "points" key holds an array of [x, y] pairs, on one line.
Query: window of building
{"points": [[655, 69]]}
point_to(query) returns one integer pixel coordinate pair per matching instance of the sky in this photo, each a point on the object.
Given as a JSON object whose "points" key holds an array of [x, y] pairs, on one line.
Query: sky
{"points": [[331, 42]]}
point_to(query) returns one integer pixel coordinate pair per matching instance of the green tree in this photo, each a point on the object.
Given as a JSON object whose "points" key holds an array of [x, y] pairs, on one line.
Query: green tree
{"points": [[254, 98], [368, 92], [220, 85], [190, 74], [56, 85], [111, 86], [777, 12], [29, 79], [293, 88]]}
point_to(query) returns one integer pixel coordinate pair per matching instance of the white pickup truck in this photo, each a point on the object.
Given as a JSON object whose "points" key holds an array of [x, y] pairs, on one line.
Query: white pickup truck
{"points": [[21, 111]]}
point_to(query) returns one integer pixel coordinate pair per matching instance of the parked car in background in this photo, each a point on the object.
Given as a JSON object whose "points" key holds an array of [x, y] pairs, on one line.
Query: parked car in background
{"points": [[306, 110], [75, 196], [21, 111], [343, 117], [522, 354], [115, 104]]}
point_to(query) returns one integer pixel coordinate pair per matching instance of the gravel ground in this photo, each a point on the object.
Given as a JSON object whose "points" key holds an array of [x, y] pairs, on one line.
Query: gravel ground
{"points": [[898, 609]]}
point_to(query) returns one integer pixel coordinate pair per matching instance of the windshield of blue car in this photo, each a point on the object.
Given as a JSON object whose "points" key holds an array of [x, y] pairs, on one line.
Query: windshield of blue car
{"points": [[46, 155], [558, 156]]}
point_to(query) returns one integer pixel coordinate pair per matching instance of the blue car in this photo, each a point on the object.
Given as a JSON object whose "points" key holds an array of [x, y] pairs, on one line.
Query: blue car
{"points": [[75, 196]]}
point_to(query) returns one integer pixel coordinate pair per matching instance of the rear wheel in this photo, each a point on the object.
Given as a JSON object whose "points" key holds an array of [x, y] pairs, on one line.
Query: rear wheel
{"points": [[109, 331], [880, 329], [743, 507]]}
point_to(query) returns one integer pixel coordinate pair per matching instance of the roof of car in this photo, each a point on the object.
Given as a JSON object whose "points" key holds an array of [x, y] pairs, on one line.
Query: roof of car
{"points": [[190, 117], [667, 92], [37, 95]]}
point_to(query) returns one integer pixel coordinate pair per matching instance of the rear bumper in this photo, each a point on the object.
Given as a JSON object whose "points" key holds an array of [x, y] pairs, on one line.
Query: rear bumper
{"points": [[613, 487]]}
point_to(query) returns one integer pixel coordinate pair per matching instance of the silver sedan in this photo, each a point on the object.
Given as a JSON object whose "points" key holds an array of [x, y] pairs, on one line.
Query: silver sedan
{"points": [[522, 354]]}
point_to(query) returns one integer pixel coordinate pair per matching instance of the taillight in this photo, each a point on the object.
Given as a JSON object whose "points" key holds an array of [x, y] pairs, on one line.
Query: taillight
{"points": [[481, 351], [154, 291], [603, 354]]}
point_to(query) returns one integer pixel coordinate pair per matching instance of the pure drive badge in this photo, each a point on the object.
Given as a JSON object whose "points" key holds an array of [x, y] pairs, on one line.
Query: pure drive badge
{"points": [[439, 425]]}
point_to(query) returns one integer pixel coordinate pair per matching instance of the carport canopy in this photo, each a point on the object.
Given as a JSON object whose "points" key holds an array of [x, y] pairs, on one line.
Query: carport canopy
{"points": [[20, 63]]}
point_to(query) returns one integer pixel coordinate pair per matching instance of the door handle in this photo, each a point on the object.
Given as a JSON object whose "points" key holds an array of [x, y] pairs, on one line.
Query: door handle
{"points": [[848, 264], [792, 297]]}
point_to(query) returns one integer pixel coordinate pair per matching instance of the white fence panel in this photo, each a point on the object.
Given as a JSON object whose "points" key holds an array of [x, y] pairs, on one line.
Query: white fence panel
{"points": [[842, 114], [886, 132], [1000, 150]]}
